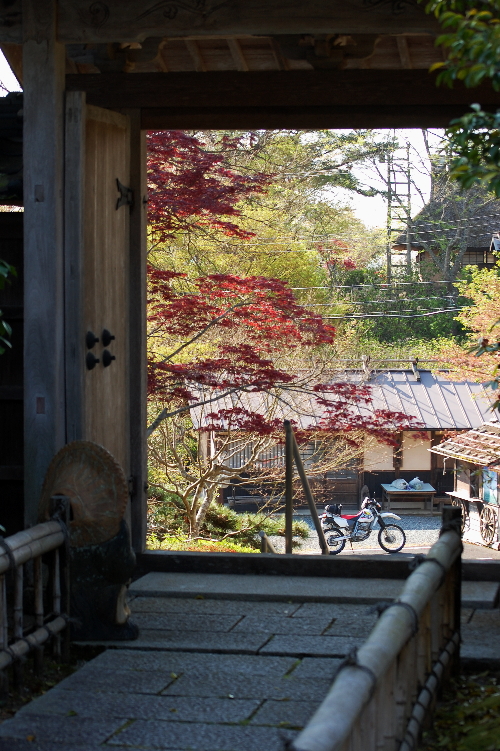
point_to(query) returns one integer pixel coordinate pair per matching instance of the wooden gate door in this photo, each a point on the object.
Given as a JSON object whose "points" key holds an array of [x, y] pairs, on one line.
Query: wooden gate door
{"points": [[97, 208]]}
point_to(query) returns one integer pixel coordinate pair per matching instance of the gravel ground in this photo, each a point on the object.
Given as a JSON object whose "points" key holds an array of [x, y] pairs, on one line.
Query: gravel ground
{"points": [[421, 531]]}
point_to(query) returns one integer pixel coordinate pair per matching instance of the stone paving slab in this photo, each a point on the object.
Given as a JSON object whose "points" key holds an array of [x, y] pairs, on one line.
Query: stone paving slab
{"points": [[185, 622], [294, 714], [480, 640], [202, 607], [11, 744], [146, 707], [276, 588], [193, 641], [119, 681], [332, 610], [480, 594], [320, 646], [181, 662], [241, 687], [201, 737], [70, 730], [316, 667], [359, 627], [254, 624]]}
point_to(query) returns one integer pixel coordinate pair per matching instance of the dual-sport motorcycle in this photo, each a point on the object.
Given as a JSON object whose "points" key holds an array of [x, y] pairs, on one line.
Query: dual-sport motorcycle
{"points": [[339, 528]]}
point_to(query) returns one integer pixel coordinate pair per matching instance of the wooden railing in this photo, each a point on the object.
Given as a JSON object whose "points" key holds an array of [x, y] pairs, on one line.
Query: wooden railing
{"points": [[383, 691], [25, 628]]}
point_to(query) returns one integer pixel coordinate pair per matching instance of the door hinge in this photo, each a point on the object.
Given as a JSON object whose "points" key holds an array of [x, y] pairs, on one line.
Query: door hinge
{"points": [[126, 195]]}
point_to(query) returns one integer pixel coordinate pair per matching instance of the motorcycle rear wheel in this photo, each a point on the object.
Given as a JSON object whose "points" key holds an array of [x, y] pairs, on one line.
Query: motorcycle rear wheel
{"points": [[392, 538], [335, 544]]}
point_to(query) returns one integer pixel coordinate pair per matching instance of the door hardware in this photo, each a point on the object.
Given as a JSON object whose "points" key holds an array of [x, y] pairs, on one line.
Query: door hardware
{"points": [[126, 195], [91, 360], [107, 337], [107, 358], [91, 339]]}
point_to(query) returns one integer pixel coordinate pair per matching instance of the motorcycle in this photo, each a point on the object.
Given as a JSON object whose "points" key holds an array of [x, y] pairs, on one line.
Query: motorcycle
{"points": [[339, 528]]}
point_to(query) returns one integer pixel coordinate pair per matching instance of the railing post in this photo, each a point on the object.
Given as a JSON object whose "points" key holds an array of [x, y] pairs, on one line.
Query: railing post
{"points": [[61, 506], [452, 519], [307, 490], [288, 487]]}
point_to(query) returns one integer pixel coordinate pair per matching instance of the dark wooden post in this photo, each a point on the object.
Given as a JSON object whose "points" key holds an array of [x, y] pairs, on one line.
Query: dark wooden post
{"points": [[288, 487], [74, 187], [137, 329], [452, 517], [44, 393]]}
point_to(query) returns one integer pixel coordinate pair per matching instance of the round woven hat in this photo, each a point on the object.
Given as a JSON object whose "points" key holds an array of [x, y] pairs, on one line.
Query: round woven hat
{"points": [[95, 483]]}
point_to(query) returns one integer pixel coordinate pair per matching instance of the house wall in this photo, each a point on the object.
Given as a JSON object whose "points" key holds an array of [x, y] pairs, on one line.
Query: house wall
{"points": [[415, 452]]}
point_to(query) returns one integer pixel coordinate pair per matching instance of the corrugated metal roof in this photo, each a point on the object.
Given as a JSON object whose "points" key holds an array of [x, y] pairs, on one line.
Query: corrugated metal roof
{"points": [[433, 401], [481, 446]]}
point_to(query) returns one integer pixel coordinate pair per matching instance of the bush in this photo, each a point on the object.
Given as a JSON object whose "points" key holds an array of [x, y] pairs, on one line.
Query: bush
{"points": [[167, 519]]}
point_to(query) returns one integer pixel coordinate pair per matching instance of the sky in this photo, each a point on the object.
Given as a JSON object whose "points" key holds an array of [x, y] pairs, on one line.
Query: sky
{"points": [[372, 211]]}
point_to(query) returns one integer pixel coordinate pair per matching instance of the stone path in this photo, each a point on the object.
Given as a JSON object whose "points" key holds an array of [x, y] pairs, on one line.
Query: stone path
{"points": [[214, 673]]}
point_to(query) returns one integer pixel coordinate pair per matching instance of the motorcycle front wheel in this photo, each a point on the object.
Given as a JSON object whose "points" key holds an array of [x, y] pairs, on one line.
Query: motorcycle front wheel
{"points": [[391, 538], [335, 541]]}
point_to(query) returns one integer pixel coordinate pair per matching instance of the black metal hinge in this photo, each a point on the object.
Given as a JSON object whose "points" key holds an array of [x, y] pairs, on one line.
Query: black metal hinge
{"points": [[126, 195]]}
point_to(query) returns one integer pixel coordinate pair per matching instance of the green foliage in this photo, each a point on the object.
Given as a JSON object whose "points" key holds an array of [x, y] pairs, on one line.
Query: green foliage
{"points": [[168, 521], [6, 271], [468, 716], [475, 148], [472, 42]]}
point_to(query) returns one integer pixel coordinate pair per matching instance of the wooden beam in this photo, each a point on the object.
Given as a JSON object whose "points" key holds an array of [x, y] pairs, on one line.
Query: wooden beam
{"points": [[196, 56], [82, 21], [276, 89], [137, 332], [307, 118], [137, 19], [44, 406], [404, 52], [74, 219], [237, 53]]}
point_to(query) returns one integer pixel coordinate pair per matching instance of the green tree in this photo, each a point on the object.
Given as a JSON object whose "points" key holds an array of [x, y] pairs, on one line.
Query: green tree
{"points": [[472, 43]]}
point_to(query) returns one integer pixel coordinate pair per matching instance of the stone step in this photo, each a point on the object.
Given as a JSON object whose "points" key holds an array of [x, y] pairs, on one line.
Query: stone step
{"points": [[475, 594]]}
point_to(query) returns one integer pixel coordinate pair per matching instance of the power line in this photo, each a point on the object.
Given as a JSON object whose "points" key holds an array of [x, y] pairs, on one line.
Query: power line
{"points": [[393, 314], [375, 284], [374, 302]]}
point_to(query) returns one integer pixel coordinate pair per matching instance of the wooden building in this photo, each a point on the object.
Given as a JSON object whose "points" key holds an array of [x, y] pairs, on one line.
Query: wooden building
{"points": [[474, 458], [428, 398], [95, 76]]}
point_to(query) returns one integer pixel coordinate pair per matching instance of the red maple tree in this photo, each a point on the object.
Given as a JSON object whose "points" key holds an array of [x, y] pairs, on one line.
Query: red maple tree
{"points": [[261, 342], [260, 339], [192, 186]]}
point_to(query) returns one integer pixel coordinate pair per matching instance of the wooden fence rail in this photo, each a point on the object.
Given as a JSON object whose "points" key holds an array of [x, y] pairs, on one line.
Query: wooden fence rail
{"points": [[381, 692], [25, 628]]}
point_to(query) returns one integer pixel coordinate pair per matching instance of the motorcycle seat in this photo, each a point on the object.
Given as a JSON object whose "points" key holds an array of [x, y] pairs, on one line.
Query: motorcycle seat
{"points": [[349, 516]]}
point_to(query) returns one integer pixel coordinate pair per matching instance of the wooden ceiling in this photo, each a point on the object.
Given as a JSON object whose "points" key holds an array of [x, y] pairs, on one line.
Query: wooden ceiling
{"points": [[256, 53], [253, 63]]}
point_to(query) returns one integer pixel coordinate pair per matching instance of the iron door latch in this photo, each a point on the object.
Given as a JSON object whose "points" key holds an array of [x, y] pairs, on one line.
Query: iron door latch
{"points": [[126, 195]]}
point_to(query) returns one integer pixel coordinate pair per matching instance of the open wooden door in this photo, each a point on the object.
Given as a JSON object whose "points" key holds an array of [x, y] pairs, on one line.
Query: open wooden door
{"points": [[97, 211]]}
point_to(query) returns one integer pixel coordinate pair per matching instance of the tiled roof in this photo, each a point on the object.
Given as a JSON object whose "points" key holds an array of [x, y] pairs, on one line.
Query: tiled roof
{"points": [[481, 446]]}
